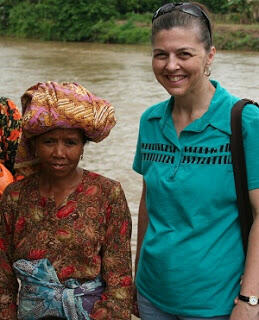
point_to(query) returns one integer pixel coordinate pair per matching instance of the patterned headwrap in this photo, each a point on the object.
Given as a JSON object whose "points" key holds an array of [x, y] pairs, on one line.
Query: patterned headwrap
{"points": [[50, 105], [10, 131]]}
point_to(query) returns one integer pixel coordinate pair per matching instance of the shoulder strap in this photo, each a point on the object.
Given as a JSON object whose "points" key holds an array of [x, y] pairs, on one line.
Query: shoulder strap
{"points": [[239, 167]]}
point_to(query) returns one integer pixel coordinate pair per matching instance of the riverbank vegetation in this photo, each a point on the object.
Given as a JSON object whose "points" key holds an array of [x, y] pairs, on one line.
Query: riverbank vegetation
{"points": [[236, 22]]}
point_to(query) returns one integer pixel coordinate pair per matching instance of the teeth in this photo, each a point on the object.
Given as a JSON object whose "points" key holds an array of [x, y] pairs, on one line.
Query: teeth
{"points": [[175, 78]]}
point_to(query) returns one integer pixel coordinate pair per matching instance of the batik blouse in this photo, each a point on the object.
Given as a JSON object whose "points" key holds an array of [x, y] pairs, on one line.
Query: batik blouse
{"points": [[10, 131], [88, 235]]}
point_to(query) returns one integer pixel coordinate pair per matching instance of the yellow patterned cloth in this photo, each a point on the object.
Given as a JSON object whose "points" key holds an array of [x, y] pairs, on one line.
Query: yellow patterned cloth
{"points": [[50, 105]]}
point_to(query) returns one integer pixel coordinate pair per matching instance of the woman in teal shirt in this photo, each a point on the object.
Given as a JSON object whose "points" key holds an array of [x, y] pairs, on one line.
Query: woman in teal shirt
{"points": [[189, 255]]}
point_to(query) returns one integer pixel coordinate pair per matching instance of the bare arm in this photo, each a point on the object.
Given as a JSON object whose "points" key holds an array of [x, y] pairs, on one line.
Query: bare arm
{"points": [[250, 283], [142, 227], [142, 223]]}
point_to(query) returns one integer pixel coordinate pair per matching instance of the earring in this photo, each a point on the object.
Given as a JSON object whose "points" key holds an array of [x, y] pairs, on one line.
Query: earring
{"points": [[207, 70], [82, 157]]}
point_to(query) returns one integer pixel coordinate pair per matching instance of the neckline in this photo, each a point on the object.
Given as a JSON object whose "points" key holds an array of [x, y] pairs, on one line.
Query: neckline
{"points": [[51, 199]]}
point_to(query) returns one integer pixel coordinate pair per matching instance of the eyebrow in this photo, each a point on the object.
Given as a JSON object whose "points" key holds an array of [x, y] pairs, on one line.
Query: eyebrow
{"points": [[180, 49], [186, 48]]}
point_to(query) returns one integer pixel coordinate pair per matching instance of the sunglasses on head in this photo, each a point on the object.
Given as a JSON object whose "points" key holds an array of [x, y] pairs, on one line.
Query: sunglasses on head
{"points": [[185, 7]]}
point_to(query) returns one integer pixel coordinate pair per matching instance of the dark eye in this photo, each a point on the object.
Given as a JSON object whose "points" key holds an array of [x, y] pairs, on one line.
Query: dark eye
{"points": [[185, 54], [47, 141], [71, 142], [160, 55]]}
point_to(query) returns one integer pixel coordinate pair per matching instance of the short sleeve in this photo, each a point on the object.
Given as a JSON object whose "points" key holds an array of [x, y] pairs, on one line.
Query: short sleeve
{"points": [[137, 159], [250, 126]]}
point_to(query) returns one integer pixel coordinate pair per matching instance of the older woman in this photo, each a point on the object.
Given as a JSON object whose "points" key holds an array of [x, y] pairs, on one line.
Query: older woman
{"points": [[10, 131], [65, 231]]}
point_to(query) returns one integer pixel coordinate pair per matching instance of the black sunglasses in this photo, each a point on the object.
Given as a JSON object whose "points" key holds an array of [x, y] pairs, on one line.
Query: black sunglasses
{"points": [[185, 7]]}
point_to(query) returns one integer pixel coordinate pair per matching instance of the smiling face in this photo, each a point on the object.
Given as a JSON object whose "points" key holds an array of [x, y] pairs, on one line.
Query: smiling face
{"points": [[59, 151], [180, 59]]}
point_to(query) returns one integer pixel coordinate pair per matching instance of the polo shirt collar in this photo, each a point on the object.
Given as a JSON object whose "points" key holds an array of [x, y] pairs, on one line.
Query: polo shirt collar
{"points": [[218, 114], [160, 110]]}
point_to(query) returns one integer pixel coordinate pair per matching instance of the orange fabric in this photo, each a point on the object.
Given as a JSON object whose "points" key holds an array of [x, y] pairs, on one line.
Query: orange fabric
{"points": [[5, 178]]}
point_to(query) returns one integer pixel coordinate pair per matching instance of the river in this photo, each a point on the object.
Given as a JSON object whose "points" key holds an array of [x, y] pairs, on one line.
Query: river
{"points": [[121, 74]]}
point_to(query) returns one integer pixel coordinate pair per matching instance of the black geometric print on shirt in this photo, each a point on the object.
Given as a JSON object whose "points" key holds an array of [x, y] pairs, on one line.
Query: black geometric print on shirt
{"points": [[158, 157], [208, 150], [158, 147], [192, 154], [207, 160]]}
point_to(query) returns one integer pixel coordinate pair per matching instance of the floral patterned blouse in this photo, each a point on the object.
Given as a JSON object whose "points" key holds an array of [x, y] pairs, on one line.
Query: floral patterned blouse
{"points": [[10, 131], [88, 235]]}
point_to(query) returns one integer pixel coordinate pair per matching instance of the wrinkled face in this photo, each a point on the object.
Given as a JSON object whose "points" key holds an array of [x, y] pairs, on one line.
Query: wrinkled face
{"points": [[179, 60], [59, 151]]}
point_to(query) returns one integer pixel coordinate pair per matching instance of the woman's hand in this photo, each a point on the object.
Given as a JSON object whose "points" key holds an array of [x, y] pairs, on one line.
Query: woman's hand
{"points": [[243, 311]]}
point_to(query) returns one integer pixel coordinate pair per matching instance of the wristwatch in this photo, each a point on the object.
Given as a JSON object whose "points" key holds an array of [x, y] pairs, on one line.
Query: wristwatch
{"points": [[252, 300]]}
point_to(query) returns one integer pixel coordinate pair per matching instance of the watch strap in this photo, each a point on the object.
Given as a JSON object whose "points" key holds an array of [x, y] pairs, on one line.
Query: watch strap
{"points": [[252, 300], [243, 298]]}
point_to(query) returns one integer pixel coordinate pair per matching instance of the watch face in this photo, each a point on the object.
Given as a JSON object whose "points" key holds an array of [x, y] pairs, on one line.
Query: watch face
{"points": [[253, 300]]}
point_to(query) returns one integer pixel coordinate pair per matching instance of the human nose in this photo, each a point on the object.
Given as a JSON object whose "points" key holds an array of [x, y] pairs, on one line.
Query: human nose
{"points": [[59, 150], [172, 63]]}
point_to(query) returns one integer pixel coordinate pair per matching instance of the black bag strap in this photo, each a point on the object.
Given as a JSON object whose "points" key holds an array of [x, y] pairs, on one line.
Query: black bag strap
{"points": [[239, 167]]}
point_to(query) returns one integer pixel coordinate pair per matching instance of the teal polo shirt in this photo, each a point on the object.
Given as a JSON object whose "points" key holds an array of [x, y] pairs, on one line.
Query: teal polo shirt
{"points": [[191, 258]]}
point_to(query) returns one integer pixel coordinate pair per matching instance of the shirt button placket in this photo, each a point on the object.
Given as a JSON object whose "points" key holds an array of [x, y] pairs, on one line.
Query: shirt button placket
{"points": [[177, 161]]}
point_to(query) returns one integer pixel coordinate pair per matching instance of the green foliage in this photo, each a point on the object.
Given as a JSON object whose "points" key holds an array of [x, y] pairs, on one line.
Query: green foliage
{"points": [[245, 8], [5, 7], [237, 5], [215, 6], [124, 6], [58, 19], [229, 18], [139, 6], [151, 5], [116, 21], [139, 18], [112, 32], [88, 20], [236, 40]]}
